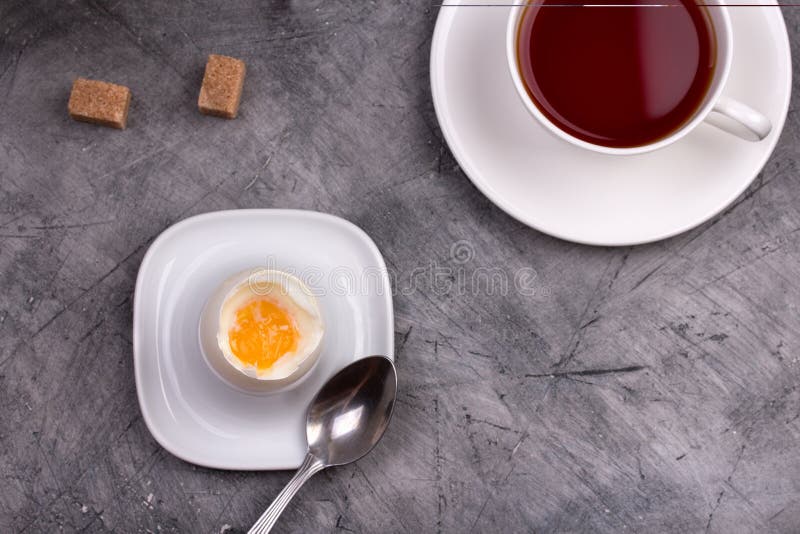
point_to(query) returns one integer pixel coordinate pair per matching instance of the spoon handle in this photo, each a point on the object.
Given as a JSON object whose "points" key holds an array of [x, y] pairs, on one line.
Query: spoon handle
{"points": [[265, 523]]}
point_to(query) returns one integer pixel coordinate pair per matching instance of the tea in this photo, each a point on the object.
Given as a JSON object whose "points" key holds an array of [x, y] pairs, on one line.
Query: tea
{"points": [[619, 76]]}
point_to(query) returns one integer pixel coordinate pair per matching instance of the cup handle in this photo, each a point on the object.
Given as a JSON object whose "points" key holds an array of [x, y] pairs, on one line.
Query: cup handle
{"points": [[755, 122]]}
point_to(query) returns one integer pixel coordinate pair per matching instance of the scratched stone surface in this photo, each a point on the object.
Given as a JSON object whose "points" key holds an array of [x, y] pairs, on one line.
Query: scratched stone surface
{"points": [[649, 389]]}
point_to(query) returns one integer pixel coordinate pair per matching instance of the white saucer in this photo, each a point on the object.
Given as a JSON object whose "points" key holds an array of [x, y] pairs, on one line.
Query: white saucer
{"points": [[188, 408], [578, 195]]}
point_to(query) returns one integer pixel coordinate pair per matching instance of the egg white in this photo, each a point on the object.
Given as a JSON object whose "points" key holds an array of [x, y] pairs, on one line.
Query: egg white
{"points": [[294, 297]]}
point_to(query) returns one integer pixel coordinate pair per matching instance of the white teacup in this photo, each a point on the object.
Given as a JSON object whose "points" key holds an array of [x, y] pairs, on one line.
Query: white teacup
{"points": [[730, 115]]}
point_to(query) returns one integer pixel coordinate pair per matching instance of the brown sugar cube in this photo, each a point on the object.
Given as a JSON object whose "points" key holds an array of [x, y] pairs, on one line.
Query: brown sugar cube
{"points": [[99, 103], [222, 86]]}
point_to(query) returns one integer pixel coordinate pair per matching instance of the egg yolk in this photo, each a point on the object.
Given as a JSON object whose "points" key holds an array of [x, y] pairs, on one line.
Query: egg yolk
{"points": [[262, 333]]}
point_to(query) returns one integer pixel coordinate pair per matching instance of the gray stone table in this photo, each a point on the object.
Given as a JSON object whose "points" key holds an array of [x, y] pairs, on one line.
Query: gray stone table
{"points": [[651, 389]]}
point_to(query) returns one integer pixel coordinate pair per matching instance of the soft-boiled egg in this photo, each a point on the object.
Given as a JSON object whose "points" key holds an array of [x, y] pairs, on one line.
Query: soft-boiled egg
{"points": [[267, 327]]}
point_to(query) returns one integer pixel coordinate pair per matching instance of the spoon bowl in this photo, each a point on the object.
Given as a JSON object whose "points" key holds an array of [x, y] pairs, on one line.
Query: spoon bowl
{"points": [[350, 413], [345, 420]]}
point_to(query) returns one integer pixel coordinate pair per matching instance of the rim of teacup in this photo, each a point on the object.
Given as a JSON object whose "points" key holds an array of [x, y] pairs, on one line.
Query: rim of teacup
{"points": [[724, 40]]}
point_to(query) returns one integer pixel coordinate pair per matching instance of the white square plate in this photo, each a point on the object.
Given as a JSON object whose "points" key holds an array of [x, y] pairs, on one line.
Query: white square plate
{"points": [[189, 410]]}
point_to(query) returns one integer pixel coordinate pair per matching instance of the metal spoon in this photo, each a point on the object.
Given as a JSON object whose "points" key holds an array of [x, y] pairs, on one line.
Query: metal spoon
{"points": [[344, 422]]}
